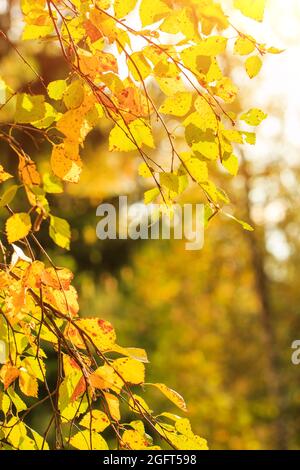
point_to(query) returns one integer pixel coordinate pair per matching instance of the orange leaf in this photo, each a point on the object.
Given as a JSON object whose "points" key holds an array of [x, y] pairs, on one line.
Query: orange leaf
{"points": [[8, 374]]}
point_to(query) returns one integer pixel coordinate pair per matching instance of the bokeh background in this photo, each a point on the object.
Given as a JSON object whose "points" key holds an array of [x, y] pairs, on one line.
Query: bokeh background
{"points": [[218, 324]]}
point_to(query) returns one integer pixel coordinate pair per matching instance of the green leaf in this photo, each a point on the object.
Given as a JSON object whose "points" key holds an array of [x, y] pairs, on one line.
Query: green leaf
{"points": [[60, 232], [52, 184], [8, 195]]}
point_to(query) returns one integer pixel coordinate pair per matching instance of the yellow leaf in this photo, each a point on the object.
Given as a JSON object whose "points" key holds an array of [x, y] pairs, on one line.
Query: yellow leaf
{"points": [[56, 89], [113, 406], [177, 105], [16, 431], [253, 66], [181, 20], [4, 175], [106, 378], [40, 442], [150, 195], [29, 108], [136, 353], [206, 117], [231, 164], [254, 117], [152, 11], [254, 9], [63, 300], [211, 46], [4, 403], [127, 138], [144, 170], [96, 420], [134, 440], [209, 150], [84, 440], [100, 331], [198, 63], [34, 367], [197, 169], [244, 46], [184, 442], [173, 396], [18, 226], [32, 31], [226, 90], [138, 66], [275, 50], [138, 404], [250, 137], [74, 95], [131, 371], [244, 224], [233, 136], [123, 7], [28, 384], [169, 181]]}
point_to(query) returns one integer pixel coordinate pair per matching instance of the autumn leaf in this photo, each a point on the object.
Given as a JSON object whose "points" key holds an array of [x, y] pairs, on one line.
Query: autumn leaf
{"points": [[254, 117], [95, 420], [18, 226], [8, 374], [99, 331], [254, 9], [28, 384], [84, 440], [113, 405], [60, 231], [4, 175], [65, 165], [173, 396], [253, 66]]}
